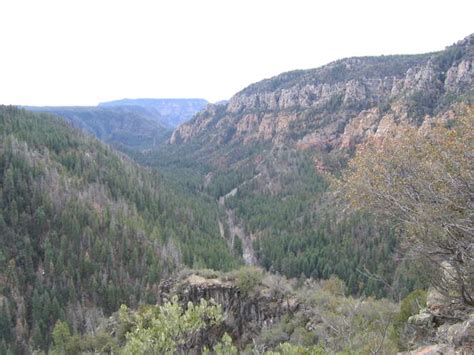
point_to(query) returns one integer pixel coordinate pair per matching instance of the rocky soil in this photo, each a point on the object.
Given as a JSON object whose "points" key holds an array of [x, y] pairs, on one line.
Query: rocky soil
{"points": [[442, 327]]}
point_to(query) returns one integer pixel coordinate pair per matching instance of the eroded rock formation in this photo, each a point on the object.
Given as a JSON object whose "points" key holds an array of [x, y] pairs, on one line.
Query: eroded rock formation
{"points": [[340, 104], [246, 314]]}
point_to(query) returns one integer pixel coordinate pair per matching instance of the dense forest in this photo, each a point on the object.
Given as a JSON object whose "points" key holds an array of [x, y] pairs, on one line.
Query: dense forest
{"points": [[301, 232], [289, 211], [84, 229]]}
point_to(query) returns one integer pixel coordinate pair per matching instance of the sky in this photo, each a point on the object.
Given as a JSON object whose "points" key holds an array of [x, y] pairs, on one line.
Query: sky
{"points": [[82, 52]]}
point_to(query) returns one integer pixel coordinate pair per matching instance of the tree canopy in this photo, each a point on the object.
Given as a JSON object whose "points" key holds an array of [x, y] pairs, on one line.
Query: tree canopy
{"points": [[424, 179]]}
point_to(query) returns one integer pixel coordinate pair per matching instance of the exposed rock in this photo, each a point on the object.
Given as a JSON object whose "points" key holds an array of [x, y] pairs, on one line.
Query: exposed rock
{"points": [[438, 349], [461, 334], [354, 93], [436, 302], [245, 315], [363, 125], [423, 319], [441, 328], [340, 104], [420, 329], [459, 76]]}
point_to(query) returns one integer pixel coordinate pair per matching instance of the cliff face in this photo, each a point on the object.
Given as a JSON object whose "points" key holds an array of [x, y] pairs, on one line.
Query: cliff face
{"points": [[442, 328], [340, 104], [246, 314]]}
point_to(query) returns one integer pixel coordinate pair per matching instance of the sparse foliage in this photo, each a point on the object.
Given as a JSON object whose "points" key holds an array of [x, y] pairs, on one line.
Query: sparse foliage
{"points": [[425, 180], [409, 306]]}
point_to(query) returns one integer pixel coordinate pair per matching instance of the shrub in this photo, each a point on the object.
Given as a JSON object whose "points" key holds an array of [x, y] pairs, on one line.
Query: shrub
{"points": [[335, 286], [409, 306], [248, 278]]}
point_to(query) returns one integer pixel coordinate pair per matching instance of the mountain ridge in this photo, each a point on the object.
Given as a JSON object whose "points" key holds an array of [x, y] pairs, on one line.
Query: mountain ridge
{"points": [[312, 108], [129, 124], [172, 111]]}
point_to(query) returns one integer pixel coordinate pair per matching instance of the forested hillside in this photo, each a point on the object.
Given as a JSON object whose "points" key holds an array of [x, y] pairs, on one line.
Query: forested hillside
{"points": [[126, 128], [269, 154], [252, 311], [84, 229], [129, 124]]}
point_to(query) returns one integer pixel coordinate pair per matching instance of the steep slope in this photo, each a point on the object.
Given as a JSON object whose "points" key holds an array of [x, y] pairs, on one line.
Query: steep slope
{"points": [[84, 229], [337, 105], [172, 112], [272, 144]]}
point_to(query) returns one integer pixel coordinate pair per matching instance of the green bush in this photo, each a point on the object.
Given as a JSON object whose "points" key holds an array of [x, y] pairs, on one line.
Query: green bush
{"points": [[248, 278], [335, 286], [409, 306]]}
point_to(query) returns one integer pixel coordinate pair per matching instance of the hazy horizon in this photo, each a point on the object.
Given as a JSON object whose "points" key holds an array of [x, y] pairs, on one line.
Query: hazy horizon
{"points": [[80, 54]]}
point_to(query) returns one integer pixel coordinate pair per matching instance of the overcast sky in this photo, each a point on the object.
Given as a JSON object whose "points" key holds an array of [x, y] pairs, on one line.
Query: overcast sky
{"points": [[81, 52]]}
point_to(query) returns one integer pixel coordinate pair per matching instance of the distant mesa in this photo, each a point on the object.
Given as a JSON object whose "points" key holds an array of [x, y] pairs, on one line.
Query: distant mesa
{"points": [[173, 112], [129, 123]]}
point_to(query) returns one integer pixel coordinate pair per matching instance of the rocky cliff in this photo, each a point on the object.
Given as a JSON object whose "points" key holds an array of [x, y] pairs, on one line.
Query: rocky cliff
{"points": [[340, 104], [443, 327], [246, 313]]}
